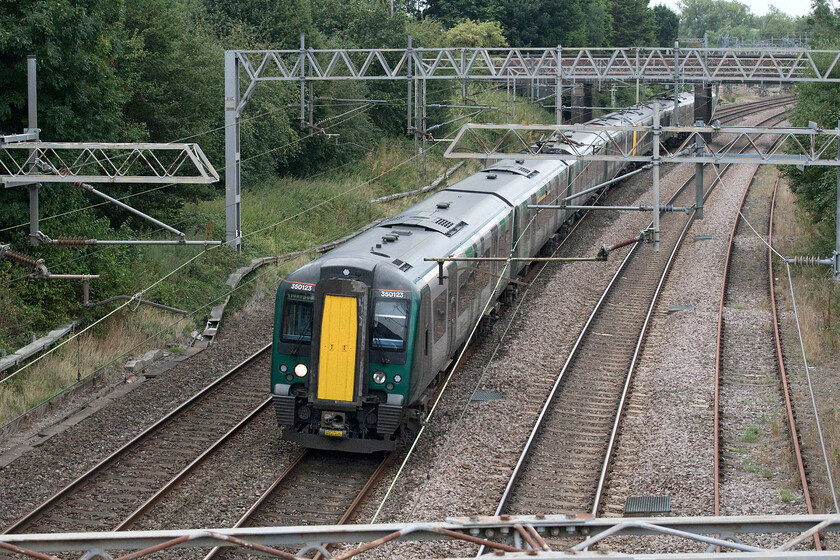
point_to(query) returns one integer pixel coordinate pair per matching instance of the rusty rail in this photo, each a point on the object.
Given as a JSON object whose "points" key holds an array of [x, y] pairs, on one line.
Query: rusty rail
{"points": [[780, 359]]}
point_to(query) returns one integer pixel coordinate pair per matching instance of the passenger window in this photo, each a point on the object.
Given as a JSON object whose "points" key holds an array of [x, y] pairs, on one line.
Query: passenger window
{"points": [[439, 313], [297, 318], [390, 324], [466, 288]]}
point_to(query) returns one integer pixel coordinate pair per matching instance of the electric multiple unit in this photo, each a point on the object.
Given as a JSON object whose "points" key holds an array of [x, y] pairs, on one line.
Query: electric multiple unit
{"points": [[363, 334]]}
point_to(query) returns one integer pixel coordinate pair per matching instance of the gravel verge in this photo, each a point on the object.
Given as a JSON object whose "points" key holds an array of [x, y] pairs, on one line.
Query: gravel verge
{"points": [[58, 460]]}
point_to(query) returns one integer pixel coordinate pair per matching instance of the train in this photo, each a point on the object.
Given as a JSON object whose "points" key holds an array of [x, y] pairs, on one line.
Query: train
{"points": [[363, 334]]}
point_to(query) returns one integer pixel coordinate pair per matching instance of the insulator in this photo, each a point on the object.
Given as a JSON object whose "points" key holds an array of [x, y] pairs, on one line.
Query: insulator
{"points": [[21, 259], [666, 207], [806, 261], [71, 242]]}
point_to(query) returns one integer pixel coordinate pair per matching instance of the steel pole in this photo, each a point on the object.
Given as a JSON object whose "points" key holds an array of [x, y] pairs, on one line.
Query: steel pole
{"points": [[302, 81], [32, 122], [837, 219], [409, 55], [698, 174], [656, 133], [233, 216], [558, 88], [676, 83]]}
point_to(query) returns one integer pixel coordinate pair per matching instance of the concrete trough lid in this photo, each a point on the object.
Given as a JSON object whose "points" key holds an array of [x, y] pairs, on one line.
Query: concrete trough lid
{"points": [[484, 396], [646, 505], [35, 347]]}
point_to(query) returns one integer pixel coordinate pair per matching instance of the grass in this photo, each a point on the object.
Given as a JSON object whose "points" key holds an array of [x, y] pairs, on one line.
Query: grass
{"points": [[132, 332], [750, 465], [751, 434], [817, 298], [786, 495], [280, 215]]}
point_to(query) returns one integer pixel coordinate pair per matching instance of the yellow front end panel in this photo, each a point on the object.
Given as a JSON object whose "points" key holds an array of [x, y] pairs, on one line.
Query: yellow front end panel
{"points": [[337, 360]]}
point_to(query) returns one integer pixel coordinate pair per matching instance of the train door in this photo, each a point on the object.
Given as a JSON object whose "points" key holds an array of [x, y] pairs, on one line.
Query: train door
{"points": [[440, 325], [337, 356], [339, 360], [452, 309]]}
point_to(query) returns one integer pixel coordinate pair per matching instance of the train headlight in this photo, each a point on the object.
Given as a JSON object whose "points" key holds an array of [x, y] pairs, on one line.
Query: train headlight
{"points": [[301, 370], [379, 377], [283, 368]]}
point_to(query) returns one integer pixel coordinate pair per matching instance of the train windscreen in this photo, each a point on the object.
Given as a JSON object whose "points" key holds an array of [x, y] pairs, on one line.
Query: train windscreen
{"points": [[390, 324], [297, 318]]}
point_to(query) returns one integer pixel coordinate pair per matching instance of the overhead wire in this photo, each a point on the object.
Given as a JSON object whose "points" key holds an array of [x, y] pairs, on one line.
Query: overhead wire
{"points": [[26, 276], [560, 195], [142, 292], [168, 185], [209, 131], [811, 391], [191, 313], [461, 355]]}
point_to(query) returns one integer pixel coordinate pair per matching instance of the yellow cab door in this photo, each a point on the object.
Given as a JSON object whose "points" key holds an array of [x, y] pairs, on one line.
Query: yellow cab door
{"points": [[337, 357]]}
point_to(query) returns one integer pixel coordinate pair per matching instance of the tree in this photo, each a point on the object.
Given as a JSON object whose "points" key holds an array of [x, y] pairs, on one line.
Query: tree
{"points": [[816, 186], [667, 25], [715, 17], [637, 23], [274, 23], [598, 23], [80, 93], [471, 33], [450, 12], [775, 23]]}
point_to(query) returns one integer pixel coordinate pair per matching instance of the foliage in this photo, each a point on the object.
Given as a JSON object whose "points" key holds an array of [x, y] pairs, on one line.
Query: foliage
{"points": [[667, 26], [540, 23], [732, 19], [273, 23], [426, 32], [471, 33], [80, 92], [637, 23], [815, 186]]}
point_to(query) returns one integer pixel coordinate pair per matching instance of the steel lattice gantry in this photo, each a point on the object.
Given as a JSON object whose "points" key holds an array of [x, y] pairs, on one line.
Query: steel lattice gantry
{"points": [[555, 66], [96, 162], [509, 536], [26, 160], [690, 65]]}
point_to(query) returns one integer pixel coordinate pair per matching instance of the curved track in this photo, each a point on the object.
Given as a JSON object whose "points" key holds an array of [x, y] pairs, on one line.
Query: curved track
{"points": [[584, 408], [126, 481], [755, 371], [126, 485]]}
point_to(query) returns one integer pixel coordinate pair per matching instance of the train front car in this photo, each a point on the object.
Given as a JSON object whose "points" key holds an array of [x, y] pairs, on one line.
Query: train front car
{"points": [[341, 360], [363, 333]]}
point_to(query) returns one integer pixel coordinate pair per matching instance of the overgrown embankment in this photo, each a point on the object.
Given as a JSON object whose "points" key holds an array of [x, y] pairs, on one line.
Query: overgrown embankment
{"points": [[279, 215]]}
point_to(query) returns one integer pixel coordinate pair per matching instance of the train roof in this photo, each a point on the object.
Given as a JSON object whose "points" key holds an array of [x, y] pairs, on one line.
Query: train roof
{"points": [[449, 221], [443, 224], [509, 179]]}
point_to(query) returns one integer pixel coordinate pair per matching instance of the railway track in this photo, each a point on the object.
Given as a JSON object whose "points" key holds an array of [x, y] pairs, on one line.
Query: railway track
{"points": [[584, 408], [318, 488], [740, 110], [121, 489], [753, 372], [116, 491]]}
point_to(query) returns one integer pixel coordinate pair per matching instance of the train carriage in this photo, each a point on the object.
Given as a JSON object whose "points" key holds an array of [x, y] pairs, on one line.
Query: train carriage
{"points": [[363, 333]]}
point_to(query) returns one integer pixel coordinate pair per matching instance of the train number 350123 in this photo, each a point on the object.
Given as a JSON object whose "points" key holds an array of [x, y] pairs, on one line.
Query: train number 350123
{"points": [[389, 294]]}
